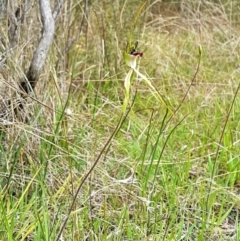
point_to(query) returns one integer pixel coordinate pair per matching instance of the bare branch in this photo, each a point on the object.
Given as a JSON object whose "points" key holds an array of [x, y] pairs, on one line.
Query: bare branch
{"points": [[40, 54], [3, 6], [14, 19], [57, 8]]}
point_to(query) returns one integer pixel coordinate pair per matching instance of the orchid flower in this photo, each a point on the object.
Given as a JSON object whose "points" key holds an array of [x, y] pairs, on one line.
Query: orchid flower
{"points": [[131, 57]]}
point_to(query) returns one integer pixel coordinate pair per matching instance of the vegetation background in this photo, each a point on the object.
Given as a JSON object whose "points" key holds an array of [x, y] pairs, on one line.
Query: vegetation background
{"points": [[157, 176]]}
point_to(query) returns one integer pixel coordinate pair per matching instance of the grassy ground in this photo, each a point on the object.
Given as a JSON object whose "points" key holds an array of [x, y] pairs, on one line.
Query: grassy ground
{"points": [[160, 177]]}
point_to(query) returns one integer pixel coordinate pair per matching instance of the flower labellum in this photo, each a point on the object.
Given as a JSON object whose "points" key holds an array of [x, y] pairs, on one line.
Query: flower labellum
{"points": [[134, 51]]}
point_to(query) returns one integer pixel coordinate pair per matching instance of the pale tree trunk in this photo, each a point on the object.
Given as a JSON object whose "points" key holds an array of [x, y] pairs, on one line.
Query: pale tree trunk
{"points": [[27, 28], [45, 42], [13, 92]]}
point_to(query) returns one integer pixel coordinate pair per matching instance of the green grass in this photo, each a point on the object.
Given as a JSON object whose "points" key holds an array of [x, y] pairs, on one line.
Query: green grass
{"points": [[160, 177]]}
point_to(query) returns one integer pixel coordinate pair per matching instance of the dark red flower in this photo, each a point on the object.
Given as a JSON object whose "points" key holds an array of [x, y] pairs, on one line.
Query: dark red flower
{"points": [[135, 53]]}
